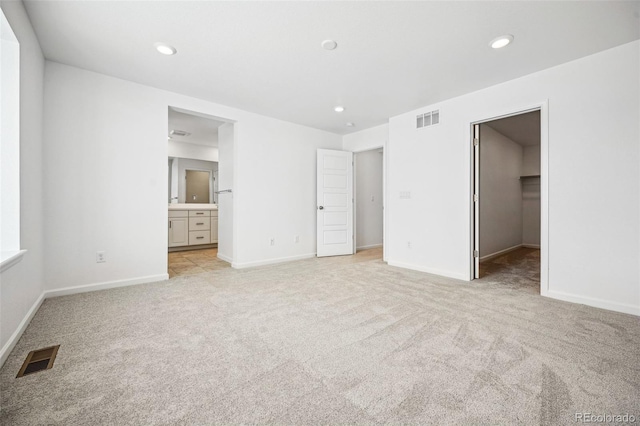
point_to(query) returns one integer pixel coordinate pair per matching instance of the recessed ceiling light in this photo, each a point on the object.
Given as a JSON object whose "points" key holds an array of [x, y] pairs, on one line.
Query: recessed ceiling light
{"points": [[339, 108], [329, 44], [501, 41], [350, 124], [165, 49]]}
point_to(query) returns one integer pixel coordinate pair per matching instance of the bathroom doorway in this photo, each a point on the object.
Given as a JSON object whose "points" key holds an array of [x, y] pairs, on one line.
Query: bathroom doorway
{"points": [[200, 217]]}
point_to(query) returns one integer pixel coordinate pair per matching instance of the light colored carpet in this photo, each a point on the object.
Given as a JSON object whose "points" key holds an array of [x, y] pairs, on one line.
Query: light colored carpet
{"points": [[324, 341]]}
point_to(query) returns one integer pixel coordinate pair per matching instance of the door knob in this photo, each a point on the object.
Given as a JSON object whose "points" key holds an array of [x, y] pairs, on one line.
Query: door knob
{"points": [[320, 208]]}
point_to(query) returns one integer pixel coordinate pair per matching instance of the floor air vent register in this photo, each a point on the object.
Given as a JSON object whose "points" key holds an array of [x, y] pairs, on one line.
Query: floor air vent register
{"points": [[39, 360]]}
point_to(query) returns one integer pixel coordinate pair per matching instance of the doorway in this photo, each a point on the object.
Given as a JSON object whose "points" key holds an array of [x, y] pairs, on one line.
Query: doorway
{"points": [[201, 152], [368, 198], [350, 203], [507, 195]]}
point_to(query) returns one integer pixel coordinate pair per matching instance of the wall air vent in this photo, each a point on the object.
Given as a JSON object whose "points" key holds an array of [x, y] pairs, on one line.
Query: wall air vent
{"points": [[428, 119], [176, 132]]}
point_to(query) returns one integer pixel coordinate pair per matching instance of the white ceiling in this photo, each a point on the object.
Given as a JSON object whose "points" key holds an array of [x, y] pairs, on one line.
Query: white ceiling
{"points": [[265, 57], [203, 131], [523, 129]]}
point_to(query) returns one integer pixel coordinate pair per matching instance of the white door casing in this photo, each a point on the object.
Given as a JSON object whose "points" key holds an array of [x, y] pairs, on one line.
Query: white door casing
{"points": [[476, 200], [334, 198]]}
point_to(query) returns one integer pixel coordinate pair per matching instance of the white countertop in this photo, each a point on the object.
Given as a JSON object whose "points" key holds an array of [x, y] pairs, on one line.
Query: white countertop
{"points": [[192, 206]]}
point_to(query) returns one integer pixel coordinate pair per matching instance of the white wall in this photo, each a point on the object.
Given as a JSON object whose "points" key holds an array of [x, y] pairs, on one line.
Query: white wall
{"points": [[368, 171], [600, 267], [276, 197], [21, 286], [123, 209], [531, 160], [531, 197], [375, 137], [226, 180], [103, 195], [500, 192], [190, 150], [531, 212]]}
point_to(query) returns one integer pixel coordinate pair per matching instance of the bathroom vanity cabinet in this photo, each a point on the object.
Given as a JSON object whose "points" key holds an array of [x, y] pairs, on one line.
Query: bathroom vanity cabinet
{"points": [[193, 225]]}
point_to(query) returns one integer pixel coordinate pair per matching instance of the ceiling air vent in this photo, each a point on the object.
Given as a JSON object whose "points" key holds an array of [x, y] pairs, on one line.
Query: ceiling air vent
{"points": [[176, 132], [428, 119]]}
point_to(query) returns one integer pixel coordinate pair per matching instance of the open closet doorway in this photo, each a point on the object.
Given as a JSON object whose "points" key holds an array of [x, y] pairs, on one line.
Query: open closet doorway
{"points": [[200, 192], [368, 196], [507, 200]]}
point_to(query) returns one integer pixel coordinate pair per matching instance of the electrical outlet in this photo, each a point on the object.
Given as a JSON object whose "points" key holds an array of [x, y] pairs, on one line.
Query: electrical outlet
{"points": [[101, 257], [296, 239], [408, 244], [272, 241]]}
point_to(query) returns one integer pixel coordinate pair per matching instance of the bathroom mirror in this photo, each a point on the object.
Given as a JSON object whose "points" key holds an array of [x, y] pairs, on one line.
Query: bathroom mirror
{"points": [[192, 181]]}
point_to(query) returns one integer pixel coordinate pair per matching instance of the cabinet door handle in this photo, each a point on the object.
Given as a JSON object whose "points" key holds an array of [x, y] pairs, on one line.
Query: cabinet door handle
{"points": [[199, 213], [201, 223], [199, 238]]}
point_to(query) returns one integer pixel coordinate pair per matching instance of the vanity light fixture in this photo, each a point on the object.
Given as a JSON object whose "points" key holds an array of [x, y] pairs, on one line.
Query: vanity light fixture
{"points": [[502, 41], [165, 49], [339, 108]]}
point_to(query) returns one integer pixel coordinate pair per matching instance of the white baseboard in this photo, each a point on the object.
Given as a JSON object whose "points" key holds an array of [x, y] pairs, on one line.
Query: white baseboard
{"points": [[272, 261], [225, 258], [433, 271], [105, 285], [596, 303], [370, 246], [499, 253], [533, 246], [11, 343]]}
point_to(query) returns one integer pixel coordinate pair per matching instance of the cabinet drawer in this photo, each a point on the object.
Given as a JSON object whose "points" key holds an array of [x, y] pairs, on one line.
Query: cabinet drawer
{"points": [[178, 213], [199, 223], [199, 237], [199, 213]]}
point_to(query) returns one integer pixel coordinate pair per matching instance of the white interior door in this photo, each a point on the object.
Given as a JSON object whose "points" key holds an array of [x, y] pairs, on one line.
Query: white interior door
{"points": [[334, 203]]}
